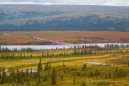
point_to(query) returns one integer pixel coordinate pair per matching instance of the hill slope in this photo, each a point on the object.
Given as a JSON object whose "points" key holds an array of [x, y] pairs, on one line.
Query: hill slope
{"points": [[64, 17]]}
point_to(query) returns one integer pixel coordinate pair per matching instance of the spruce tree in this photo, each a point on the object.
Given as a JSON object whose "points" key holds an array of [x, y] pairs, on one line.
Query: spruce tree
{"points": [[40, 65], [47, 66], [63, 64], [84, 67], [39, 81], [116, 74], [83, 83], [0, 73], [116, 70], [38, 71], [53, 77], [3, 78], [128, 64]]}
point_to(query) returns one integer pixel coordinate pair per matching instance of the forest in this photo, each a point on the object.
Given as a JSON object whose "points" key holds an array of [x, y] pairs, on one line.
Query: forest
{"points": [[78, 66], [82, 23], [63, 18]]}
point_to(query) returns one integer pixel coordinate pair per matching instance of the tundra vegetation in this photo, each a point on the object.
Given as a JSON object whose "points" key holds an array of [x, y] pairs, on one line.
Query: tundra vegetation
{"points": [[78, 66], [64, 18], [73, 37]]}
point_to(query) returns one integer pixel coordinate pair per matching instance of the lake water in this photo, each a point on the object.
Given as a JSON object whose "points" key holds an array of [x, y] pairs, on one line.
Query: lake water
{"points": [[98, 63], [33, 71], [38, 47], [95, 63]]}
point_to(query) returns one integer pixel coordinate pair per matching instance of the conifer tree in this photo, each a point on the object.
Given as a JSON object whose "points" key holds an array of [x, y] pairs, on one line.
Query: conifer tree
{"points": [[47, 66], [53, 77], [84, 67], [39, 81], [63, 64], [39, 70], [0, 73], [18, 76], [83, 83], [116, 70], [3, 78], [128, 64], [40, 65]]}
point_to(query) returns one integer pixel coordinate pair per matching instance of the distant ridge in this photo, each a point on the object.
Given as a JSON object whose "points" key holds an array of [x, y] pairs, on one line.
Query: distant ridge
{"points": [[63, 17]]}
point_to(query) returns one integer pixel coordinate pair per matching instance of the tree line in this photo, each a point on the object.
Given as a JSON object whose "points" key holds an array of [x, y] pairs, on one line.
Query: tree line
{"points": [[52, 76], [76, 51]]}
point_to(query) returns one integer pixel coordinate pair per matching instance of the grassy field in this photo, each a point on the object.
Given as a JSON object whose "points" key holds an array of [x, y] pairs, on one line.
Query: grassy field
{"points": [[16, 38], [73, 66], [69, 69], [75, 37]]}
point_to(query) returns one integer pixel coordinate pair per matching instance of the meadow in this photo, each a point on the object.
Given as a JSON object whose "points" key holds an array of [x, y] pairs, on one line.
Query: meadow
{"points": [[80, 66], [74, 37]]}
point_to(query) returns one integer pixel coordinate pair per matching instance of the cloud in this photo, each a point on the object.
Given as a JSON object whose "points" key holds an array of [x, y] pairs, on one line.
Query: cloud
{"points": [[117, 3], [69, 2], [46, 3]]}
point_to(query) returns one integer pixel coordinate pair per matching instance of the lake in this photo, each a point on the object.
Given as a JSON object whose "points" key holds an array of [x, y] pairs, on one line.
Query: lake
{"points": [[38, 47], [98, 63]]}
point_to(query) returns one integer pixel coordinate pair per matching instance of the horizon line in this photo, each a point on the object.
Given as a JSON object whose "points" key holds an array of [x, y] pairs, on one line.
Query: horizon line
{"points": [[49, 3]]}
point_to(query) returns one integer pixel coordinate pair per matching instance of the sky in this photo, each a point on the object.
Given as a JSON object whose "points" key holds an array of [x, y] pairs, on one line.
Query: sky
{"points": [[69, 2]]}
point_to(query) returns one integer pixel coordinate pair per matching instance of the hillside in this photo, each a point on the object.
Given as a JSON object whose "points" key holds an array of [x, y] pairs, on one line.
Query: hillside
{"points": [[64, 17]]}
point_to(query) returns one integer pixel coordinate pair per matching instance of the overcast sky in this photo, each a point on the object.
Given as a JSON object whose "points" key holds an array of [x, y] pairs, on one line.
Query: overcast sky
{"points": [[70, 2]]}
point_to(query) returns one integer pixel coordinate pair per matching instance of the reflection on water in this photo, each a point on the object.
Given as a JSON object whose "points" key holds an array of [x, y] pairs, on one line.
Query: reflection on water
{"points": [[98, 63], [95, 63], [29, 71], [38, 47]]}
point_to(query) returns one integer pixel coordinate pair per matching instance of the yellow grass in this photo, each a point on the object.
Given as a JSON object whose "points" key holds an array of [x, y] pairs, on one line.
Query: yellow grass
{"points": [[78, 60], [69, 62]]}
